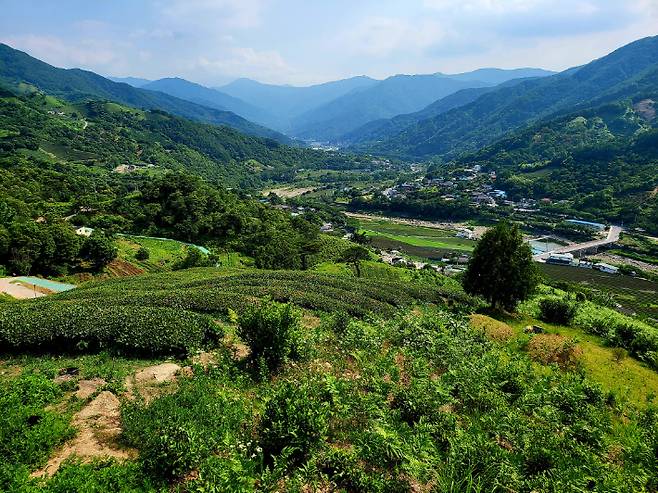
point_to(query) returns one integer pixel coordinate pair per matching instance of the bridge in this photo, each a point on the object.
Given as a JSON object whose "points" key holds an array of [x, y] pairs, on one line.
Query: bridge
{"points": [[613, 237]]}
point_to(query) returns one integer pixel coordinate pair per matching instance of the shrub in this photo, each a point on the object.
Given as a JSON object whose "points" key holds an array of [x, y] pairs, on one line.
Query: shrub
{"points": [[340, 321], [296, 418], [554, 348], [493, 329], [178, 432], [142, 254], [557, 311], [270, 331]]}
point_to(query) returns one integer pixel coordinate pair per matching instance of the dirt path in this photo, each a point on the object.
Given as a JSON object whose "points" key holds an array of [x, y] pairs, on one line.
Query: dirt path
{"points": [[8, 285], [98, 424]]}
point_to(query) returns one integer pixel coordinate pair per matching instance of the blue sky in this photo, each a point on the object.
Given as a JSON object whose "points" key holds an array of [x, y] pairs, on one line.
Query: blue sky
{"points": [[308, 41]]}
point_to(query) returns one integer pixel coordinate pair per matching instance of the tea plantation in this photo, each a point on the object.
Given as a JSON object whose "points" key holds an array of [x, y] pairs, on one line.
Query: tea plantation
{"points": [[348, 385]]}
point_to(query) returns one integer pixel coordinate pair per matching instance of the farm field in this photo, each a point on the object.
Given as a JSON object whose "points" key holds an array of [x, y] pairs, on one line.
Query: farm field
{"points": [[416, 240], [632, 294]]}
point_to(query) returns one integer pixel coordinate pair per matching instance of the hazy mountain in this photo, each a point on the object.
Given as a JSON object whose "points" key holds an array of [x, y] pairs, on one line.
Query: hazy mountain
{"points": [[380, 129], [131, 81], [628, 72], [393, 96], [211, 98], [287, 102], [495, 76], [18, 68]]}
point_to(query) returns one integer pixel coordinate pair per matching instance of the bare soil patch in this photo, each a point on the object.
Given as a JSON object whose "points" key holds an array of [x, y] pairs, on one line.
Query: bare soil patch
{"points": [[99, 426]]}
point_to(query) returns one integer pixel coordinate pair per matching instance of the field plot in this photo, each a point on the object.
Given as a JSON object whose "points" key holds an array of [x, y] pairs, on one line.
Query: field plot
{"points": [[414, 240], [633, 294]]}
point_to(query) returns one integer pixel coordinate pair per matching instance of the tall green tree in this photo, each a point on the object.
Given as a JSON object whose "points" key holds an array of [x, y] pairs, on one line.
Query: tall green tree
{"points": [[502, 270], [354, 255], [99, 249]]}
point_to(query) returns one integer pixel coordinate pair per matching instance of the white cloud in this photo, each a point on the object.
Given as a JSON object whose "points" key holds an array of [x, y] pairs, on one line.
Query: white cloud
{"points": [[245, 62], [383, 36], [241, 14], [56, 51]]}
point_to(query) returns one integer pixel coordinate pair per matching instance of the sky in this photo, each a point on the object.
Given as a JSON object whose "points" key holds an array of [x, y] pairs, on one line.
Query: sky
{"points": [[302, 42]]}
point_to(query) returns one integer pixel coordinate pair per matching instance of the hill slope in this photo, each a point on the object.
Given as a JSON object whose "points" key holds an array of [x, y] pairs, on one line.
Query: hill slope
{"points": [[602, 161], [393, 96], [95, 133], [17, 68], [627, 72], [211, 98]]}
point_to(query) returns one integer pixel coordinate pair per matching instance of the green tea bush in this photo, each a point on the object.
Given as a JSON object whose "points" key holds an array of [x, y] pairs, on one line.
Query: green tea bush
{"points": [[557, 311], [296, 418], [179, 432], [28, 431], [86, 326], [270, 331]]}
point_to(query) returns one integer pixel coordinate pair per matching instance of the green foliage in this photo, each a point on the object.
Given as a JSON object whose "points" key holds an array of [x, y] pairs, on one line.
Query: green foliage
{"points": [[501, 269], [270, 331], [28, 432], [295, 420], [354, 255], [142, 254], [640, 339], [99, 249], [193, 258], [49, 325], [557, 311], [180, 432]]}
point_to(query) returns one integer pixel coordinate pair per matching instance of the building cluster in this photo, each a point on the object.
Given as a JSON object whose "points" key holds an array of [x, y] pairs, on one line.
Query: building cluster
{"points": [[449, 265], [569, 260]]}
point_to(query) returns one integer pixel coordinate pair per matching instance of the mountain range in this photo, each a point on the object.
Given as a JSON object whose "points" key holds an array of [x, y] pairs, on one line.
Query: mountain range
{"points": [[326, 112], [20, 70], [629, 72], [408, 116]]}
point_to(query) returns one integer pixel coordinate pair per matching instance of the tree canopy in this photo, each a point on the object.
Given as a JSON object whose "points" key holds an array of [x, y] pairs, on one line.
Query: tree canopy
{"points": [[502, 270]]}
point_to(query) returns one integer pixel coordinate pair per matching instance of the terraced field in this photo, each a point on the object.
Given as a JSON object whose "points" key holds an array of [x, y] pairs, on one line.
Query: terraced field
{"points": [[633, 294], [173, 313]]}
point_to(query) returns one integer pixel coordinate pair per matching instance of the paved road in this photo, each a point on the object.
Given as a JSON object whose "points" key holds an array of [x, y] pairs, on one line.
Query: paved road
{"points": [[613, 237]]}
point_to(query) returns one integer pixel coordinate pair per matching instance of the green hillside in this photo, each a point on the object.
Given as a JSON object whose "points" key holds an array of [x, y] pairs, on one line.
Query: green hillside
{"points": [[411, 395], [601, 161], [76, 85]]}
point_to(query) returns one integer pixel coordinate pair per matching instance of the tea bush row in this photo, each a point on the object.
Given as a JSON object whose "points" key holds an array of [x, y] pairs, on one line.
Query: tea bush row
{"points": [[53, 326]]}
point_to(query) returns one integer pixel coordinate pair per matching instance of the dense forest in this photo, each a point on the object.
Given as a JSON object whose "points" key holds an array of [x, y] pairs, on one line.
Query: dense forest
{"points": [[57, 162]]}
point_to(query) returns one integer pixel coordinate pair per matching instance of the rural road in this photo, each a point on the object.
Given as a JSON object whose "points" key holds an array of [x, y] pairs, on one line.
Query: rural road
{"points": [[613, 237]]}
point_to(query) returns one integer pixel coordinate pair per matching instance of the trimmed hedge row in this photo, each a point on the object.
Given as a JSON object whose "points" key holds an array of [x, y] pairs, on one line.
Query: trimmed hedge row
{"points": [[84, 326]]}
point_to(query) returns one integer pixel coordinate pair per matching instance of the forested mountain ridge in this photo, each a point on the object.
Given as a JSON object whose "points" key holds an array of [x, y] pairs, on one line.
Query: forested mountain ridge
{"points": [[392, 96], [18, 68], [602, 161], [105, 134], [628, 72], [380, 129]]}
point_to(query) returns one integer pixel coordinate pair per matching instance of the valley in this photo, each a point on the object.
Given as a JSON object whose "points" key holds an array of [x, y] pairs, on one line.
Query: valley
{"points": [[410, 283]]}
